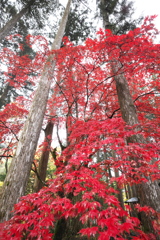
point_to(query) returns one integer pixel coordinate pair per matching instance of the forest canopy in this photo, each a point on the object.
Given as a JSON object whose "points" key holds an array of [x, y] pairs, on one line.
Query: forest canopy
{"points": [[96, 172]]}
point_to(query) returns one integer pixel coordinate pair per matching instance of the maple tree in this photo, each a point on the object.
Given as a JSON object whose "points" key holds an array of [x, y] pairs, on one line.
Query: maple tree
{"points": [[128, 109], [18, 74], [82, 198]]}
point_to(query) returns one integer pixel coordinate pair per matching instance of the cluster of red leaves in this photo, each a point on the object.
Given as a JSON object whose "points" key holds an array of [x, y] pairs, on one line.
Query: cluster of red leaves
{"points": [[85, 86], [10, 124], [85, 94], [36, 214], [18, 71]]}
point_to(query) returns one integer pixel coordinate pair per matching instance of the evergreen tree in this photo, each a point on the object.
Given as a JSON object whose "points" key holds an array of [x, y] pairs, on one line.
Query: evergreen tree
{"points": [[18, 174], [147, 193], [33, 15]]}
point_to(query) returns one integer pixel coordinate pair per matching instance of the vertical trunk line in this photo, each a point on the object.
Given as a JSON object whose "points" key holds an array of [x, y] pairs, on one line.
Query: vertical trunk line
{"points": [[12, 22], [43, 162], [18, 174], [148, 193]]}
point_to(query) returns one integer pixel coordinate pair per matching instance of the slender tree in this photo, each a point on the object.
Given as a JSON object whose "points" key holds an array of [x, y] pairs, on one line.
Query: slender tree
{"points": [[28, 17], [148, 193], [18, 174], [76, 30], [43, 162], [13, 21]]}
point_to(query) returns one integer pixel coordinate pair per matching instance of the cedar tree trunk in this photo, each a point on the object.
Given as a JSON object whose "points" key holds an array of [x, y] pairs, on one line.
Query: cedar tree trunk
{"points": [[147, 192], [43, 162], [18, 174], [12, 22]]}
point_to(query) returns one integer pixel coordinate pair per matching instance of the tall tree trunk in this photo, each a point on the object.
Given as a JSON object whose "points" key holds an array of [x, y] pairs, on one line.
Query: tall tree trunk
{"points": [[3, 96], [12, 22], [18, 174], [148, 193], [43, 162]]}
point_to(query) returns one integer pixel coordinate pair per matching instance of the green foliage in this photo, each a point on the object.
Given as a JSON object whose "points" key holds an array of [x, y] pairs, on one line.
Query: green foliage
{"points": [[117, 15], [34, 19], [78, 28]]}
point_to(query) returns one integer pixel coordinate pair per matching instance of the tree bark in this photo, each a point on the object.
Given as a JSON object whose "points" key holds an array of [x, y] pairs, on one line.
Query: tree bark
{"points": [[18, 174], [148, 192], [12, 22], [4, 95], [43, 162]]}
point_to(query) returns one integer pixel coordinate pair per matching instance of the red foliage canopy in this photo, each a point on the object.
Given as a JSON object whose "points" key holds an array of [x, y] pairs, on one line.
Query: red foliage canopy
{"points": [[85, 100]]}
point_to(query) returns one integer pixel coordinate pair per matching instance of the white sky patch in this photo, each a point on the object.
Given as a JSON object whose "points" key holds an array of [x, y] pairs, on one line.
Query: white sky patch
{"points": [[148, 8], [142, 7]]}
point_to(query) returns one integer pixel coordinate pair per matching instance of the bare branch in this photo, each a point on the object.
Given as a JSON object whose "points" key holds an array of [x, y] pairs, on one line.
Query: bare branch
{"points": [[10, 130], [37, 174]]}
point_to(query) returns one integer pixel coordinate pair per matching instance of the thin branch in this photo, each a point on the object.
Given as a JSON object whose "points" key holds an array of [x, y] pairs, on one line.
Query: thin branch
{"points": [[10, 130], [50, 116], [59, 140], [151, 92], [37, 174], [5, 156], [5, 151], [87, 6], [113, 113], [144, 94]]}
